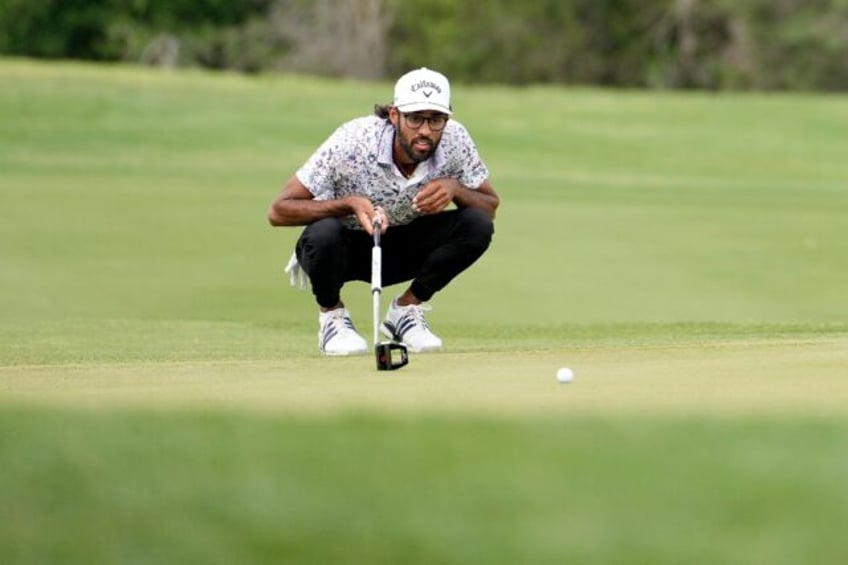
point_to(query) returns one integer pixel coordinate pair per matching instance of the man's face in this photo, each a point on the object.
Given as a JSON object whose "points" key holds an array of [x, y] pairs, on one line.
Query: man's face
{"points": [[418, 133]]}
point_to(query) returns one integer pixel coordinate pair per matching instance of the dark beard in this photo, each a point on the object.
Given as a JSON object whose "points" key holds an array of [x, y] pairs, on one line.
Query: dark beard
{"points": [[411, 153]]}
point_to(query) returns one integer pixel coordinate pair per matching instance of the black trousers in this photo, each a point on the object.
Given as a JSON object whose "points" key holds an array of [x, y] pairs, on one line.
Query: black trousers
{"points": [[430, 251]]}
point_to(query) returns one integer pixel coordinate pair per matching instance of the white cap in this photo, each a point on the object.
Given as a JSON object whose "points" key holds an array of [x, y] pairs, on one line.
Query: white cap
{"points": [[423, 89]]}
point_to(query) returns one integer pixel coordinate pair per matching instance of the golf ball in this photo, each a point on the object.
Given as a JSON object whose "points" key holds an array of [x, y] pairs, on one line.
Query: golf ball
{"points": [[565, 375]]}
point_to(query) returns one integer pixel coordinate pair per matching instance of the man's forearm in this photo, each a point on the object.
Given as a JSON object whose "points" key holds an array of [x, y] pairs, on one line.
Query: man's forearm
{"points": [[302, 212], [467, 198]]}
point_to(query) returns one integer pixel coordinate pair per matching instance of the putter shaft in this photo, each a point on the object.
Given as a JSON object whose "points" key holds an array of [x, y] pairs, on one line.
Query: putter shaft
{"points": [[376, 279]]}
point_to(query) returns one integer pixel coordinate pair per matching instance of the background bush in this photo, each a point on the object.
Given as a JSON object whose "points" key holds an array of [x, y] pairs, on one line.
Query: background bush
{"points": [[704, 44]]}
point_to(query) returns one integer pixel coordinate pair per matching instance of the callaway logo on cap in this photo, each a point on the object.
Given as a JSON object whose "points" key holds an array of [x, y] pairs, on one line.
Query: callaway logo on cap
{"points": [[422, 89]]}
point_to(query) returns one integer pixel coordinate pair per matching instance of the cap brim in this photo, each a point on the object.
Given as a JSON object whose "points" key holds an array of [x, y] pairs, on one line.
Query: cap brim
{"points": [[423, 107]]}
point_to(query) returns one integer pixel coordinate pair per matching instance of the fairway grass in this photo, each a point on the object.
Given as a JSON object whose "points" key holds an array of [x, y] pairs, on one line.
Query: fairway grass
{"points": [[162, 399]]}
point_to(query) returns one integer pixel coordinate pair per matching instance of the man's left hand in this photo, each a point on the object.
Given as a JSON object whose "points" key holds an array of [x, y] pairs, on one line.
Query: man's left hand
{"points": [[436, 195]]}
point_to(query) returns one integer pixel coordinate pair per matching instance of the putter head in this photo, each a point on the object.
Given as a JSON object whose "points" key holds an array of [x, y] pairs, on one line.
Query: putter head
{"points": [[386, 360]]}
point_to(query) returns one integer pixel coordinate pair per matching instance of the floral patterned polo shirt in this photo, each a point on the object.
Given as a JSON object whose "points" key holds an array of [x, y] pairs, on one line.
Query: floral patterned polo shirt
{"points": [[357, 159]]}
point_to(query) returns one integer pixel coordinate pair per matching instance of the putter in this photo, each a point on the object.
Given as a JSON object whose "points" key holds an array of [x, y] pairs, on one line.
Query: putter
{"points": [[386, 359]]}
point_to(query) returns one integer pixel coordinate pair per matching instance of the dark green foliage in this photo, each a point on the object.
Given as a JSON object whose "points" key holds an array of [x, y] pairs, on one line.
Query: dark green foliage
{"points": [[697, 44], [53, 28], [211, 33], [511, 41], [704, 44]]}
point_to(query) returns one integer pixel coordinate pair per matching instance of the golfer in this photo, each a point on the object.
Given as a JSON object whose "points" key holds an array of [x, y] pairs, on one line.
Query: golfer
{"points": [[419, 172]]}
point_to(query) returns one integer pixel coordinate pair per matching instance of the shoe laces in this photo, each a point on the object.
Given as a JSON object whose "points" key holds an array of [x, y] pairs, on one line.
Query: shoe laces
{"points": [[340, 321], [416, 312]]}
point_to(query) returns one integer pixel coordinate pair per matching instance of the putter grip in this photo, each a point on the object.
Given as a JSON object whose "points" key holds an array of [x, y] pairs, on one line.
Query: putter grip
{"points": [[376, 269]]}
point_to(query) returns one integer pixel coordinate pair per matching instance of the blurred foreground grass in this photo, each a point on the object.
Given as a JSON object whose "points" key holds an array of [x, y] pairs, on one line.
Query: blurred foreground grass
{"points": [[225, 488]]}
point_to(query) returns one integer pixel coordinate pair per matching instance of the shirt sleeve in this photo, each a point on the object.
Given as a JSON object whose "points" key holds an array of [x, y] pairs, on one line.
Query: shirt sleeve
{"points": [[470, 170], [318, 173]]}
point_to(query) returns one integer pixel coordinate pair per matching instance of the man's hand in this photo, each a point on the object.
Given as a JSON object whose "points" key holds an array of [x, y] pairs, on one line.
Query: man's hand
{"points": [[368, 214], [436, 195]]}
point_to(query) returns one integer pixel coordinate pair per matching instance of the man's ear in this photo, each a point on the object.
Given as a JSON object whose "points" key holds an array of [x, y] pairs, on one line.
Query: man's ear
{"points": [[394, 116]]}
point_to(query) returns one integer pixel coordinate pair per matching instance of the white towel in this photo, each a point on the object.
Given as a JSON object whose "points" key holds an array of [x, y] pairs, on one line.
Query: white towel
{"points": [[297, 276]]}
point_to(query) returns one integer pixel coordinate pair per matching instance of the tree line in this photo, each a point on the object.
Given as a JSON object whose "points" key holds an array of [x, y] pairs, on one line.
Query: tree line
{"points": [[673, 44]]}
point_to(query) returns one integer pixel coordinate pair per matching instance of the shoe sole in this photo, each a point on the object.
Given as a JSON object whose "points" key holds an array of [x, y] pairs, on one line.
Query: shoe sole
{"points": [[344, 353], [362, 351]]}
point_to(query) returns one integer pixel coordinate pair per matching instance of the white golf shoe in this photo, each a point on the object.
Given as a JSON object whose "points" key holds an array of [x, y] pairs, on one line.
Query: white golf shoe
{"points": [[337, 334], [407, 325]]}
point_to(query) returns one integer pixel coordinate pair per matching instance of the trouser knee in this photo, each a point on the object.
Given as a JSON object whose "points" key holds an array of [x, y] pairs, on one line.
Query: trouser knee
{"points": [[318, 238], [321, 253], [468, 238], [476, 227]]}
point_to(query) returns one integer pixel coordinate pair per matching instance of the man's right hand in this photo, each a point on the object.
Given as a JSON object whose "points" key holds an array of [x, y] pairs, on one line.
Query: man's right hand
{"points": [[295, 206], [367, 214]]}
